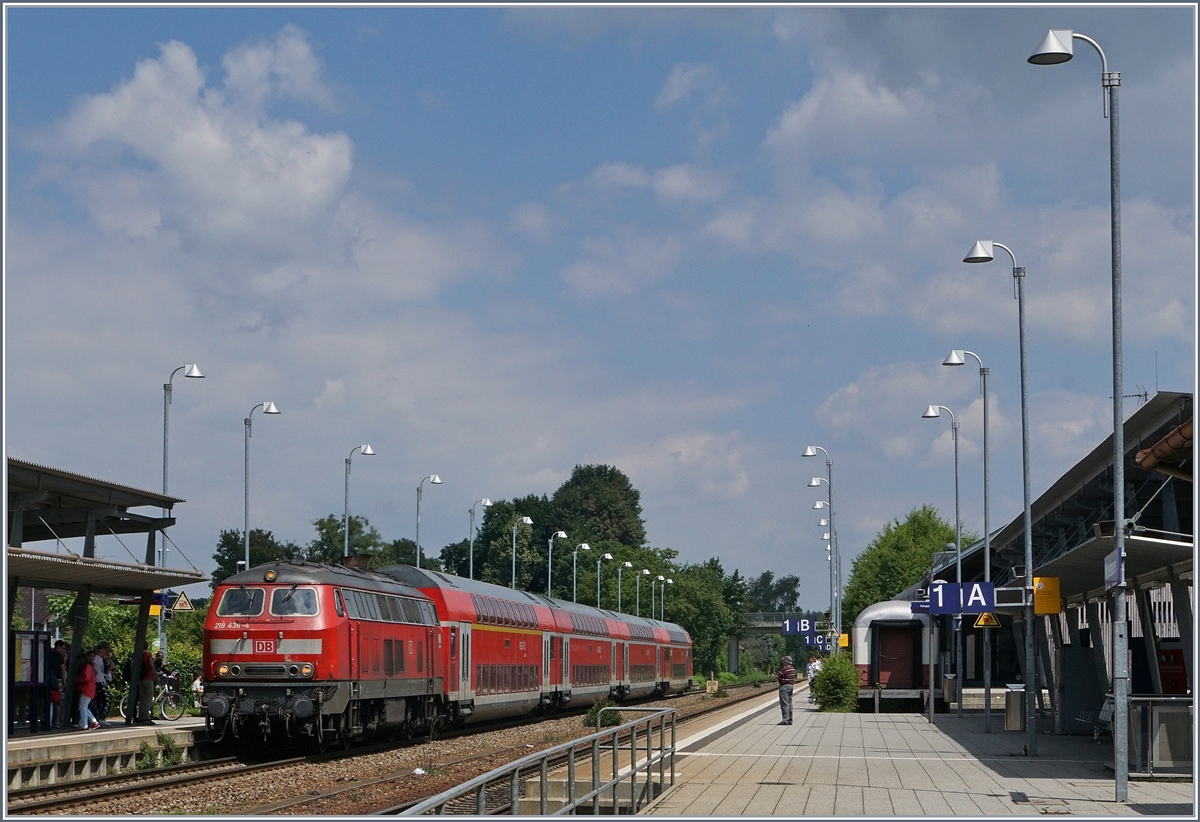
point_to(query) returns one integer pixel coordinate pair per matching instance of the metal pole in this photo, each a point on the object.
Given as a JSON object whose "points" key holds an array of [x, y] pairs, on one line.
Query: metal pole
{"points": [[471, 534], [162, 537], [837, 557], [419, 522], [246, 531], [1112, 81], [958, 637], [598, 583], [987, 564], [346, 514], [513, 585], [1030, 662], [575, 576], [550, 567]]}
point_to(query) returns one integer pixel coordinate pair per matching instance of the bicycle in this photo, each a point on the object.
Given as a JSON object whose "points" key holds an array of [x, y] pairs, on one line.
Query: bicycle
{"points": [[168, 704]]}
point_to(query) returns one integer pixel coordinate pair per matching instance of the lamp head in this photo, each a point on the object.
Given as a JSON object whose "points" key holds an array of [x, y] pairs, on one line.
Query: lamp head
{"points": [[661, 578], [931, 413], [825, 536], [646, 571], [434, 479], [583, 546], [670, 581], [815, 482], [607, 556], [819, 504], [1057, 46], [485, 502], [193, 371], [559, 535], [955, 357], [367, 451], [823, 523], [981, 252], [269, 408], [525, 521], [626, 564], [809, 451]]}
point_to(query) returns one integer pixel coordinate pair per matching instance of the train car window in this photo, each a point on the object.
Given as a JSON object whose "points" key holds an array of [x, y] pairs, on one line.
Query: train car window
{"points": [[246, 602], [337, 602], [388, 659], [420, 656], [486, 610], [412, 611], [431, 617], [294, 602]]}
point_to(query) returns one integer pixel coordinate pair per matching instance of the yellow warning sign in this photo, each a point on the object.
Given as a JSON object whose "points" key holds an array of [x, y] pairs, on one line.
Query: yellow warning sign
{"points": [[182, 603], [987, 620], [1046, 596], [155, 610]]}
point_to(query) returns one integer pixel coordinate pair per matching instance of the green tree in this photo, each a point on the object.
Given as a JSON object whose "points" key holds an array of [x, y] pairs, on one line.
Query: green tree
{"points": [[263, 548], [401, 551], [329, 546], [767, 594], [185, 641], [455, 558], [599, 503], [699, 602], [898, 557]]}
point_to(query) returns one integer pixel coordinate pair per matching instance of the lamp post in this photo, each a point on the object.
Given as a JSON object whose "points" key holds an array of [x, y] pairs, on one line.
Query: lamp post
{"points": [[659, 578], [520, 521], [932, 413], [192, 371], [598, 561], [982, 252], [817, 506], [835, 616], [620, 568], [486, 503], [433, 479], [637, 587], [583, 546], [550, 561], [956, 358], [268, 408], [367, 451], [1058, 47], [662, 599], [811, 451]]}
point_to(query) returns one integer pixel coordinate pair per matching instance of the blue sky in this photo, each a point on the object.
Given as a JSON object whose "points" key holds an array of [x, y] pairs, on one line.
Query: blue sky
{"points": [[496, 243]]}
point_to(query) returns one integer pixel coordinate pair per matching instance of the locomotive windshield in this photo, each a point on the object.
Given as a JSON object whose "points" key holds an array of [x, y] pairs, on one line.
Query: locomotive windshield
{"points": [[245, 602], [294, 602]]}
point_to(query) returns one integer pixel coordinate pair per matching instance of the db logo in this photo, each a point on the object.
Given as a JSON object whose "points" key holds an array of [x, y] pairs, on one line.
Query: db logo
{"points": [[264, 646]]}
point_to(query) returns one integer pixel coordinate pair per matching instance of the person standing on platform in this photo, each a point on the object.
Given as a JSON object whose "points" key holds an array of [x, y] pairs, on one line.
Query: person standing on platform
{"points": [[104, 677], [814, 668], [85, 687], [146, 690], [58, 682], [786, 677]]}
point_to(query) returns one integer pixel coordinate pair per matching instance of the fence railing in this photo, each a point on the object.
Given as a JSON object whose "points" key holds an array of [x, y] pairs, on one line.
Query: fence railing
{"points": [[634, 780]]}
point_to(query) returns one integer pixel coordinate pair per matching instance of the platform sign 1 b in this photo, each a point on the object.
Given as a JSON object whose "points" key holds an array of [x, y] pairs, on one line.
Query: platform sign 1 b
{"points": [[970, 598], [795, 625]]}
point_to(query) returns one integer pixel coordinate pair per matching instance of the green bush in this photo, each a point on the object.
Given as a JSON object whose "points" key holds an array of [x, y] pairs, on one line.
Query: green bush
{"points": [[836, 686], [609, 719], [147, 757], [172, 754]]}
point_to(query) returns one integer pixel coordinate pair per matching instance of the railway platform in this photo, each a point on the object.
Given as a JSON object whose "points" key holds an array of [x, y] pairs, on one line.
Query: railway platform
{"points": [[897, 764], [69, 755]]}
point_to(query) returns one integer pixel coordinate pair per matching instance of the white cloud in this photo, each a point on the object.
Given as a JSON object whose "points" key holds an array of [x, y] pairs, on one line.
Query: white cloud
{"points": [[618, 175], [618, 266], [689, 183], [688, 80]]}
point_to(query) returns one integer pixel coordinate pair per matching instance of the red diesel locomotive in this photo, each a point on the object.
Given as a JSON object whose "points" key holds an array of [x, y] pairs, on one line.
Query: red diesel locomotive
{"points": [[328, 652]]}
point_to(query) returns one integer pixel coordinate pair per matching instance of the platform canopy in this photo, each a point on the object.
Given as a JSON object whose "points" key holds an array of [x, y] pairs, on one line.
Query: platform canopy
{"points": [[72, 572]]}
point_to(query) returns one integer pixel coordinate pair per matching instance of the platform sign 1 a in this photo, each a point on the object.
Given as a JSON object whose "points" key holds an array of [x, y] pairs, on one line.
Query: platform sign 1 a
{"points": [[969, 598], [795, 625]]}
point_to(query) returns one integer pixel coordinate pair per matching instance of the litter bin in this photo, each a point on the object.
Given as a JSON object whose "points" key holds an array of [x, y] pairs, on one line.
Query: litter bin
{"points": [[1014, 708]]}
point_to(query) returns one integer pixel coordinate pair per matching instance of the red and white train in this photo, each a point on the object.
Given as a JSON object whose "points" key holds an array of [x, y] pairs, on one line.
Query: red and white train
{"points": [[330, 652]]}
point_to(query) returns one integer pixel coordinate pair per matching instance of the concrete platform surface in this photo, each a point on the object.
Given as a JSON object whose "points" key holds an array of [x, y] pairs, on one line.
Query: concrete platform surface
{"points": [[893, 764]]}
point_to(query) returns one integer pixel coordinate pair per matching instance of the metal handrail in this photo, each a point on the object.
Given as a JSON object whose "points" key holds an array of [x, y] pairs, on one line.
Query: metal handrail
{"points": [[511, 772]]}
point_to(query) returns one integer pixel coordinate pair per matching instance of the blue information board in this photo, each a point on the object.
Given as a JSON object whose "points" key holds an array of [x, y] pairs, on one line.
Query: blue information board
{"points": [[795, 625]]}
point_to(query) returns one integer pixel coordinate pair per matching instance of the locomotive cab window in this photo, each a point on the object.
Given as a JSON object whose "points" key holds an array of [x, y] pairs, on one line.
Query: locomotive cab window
{"points": [[294, 602], [337, 603], [245, 602]]}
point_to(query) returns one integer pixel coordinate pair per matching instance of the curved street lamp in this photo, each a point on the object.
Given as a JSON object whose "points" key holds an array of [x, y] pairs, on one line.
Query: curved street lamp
{"points": [[620, 568], [657, 579], [433, 479], [811, 451], [367, 451], [933, 412], [550, 561], [598, 561], [1058, 47], [956, 358], [268, 408], [520, 521], [662, 600], [637, 587], [192, 371], [583, 546], [486, 503], [984, 251]]}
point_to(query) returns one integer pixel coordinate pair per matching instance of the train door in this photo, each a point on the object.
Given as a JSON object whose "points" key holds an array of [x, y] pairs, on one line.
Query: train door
{"points": [[625, 667], [464, 661], [556, 643], [566, 665], [546, 639]]}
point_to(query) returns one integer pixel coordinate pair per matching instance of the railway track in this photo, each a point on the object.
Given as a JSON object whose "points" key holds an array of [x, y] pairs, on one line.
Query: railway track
{"points": [[66, 796]]}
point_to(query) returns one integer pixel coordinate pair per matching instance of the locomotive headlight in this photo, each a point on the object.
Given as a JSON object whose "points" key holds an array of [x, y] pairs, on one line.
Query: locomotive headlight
{"points": [[306, 669], [223, 670]]}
